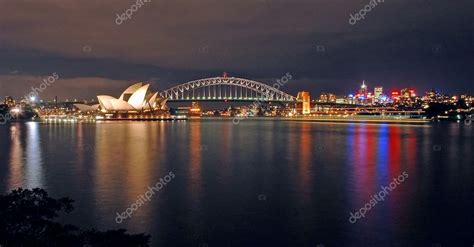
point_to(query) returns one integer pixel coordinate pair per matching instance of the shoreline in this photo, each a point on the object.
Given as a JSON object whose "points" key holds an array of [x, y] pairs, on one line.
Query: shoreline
{"points": [[286, 119], [325, 120], [363, 120]]}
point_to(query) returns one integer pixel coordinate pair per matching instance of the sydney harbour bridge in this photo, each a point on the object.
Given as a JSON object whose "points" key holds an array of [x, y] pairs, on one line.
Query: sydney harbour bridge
{"points": [[225, 89]]}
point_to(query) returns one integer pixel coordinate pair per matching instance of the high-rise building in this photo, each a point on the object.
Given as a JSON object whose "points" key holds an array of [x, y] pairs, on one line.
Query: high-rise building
{"points": [[362, 94], [341, 101], [395, 96], [327, 98], [405, 93], [378, 91], [431, 95], [305, 98], [363, 90], [351, 99], [323, 97]]}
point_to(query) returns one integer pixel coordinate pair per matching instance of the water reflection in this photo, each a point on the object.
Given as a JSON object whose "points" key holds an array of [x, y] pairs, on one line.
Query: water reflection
{"points": [[379, 154], [313, 175], [16, 158], [382, 152], [123, 165], [305, 149], [25, 156], [34, 162], [195, 162]]}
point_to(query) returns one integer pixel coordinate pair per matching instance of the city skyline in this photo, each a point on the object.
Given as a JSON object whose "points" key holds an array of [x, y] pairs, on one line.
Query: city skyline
{"points": [[429, 46], [43, 94]]}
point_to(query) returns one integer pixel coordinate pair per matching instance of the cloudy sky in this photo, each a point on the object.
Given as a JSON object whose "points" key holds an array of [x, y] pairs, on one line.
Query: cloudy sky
{"points": [[400, 43]]}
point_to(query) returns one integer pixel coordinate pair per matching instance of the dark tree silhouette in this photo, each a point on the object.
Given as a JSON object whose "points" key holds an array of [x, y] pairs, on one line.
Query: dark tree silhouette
{"points": [[26, 219]]}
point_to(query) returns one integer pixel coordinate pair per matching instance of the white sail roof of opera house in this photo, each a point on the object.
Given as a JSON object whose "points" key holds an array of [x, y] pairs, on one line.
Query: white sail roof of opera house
{"points": [[137, 97], [87, 108], [137, 100], [130, 90]]}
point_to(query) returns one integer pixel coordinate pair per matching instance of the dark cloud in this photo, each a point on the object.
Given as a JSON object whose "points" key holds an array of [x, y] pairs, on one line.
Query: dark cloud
{"points": [[419, 43]]}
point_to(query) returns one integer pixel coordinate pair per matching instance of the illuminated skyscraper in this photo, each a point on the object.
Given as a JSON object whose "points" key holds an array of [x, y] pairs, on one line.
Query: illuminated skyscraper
{"points": [[362, 94], [378, 92], [363, 90], [405, 93], [305, 98], [327, 97]]}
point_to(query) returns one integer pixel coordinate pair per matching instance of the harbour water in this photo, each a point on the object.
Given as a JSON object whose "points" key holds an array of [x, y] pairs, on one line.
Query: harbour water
{"points": [[255, 183]]}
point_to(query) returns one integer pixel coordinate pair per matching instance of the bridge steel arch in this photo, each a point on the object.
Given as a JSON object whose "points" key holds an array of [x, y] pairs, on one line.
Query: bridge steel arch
{"points": [[267, 93]]}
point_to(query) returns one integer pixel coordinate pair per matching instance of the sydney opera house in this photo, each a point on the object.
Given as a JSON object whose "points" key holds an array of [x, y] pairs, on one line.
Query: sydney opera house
{"points": [[136, 99]]}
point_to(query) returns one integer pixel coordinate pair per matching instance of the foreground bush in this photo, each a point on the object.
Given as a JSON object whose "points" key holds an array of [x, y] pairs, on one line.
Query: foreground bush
{"points": [[26, 219]]}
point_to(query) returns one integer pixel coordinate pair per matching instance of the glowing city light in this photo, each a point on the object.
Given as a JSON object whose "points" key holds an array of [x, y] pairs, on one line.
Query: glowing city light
{"points": [[16, 110]]}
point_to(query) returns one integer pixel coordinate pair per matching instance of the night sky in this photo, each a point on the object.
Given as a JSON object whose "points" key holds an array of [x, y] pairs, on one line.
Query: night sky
{"points": [[401, 43]]}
